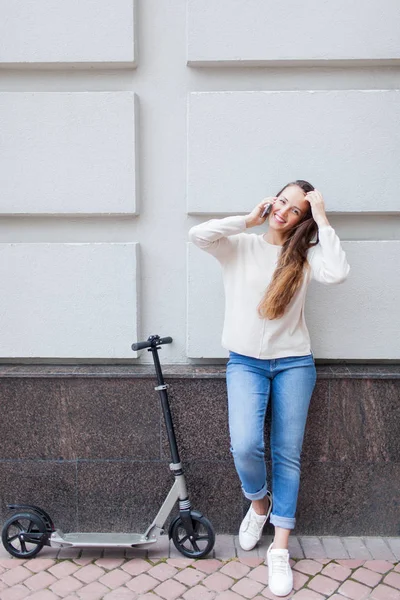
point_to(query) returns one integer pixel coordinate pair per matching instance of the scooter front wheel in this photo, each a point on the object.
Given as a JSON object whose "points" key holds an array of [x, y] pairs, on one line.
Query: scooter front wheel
{"points": [[20, 532], [197, 545]]}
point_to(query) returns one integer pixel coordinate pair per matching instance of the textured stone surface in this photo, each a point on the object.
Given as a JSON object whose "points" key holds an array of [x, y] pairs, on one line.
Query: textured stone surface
{"points": [[200, 415], [348, 499], [364, 421], [79, 418], [49, 484], [120, 495], [110, 428]]}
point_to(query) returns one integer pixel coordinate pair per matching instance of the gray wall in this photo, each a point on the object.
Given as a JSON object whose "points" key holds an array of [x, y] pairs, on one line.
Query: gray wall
{"points": [[118, 137]]}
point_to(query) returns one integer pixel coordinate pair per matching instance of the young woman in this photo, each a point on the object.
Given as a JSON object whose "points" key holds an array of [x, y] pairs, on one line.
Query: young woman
{"points": [[265, 278]]}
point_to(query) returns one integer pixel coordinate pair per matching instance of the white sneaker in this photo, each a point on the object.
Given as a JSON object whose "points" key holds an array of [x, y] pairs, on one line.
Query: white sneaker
{"points": [[251, 528], [280, 576]]}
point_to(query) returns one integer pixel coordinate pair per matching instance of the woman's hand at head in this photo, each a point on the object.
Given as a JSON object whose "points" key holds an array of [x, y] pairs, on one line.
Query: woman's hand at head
{"points": [[254, 218]]}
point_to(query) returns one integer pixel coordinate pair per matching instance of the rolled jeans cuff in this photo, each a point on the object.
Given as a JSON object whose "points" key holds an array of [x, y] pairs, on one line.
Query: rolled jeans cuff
{"points": [[257, 495], [285, 522]]}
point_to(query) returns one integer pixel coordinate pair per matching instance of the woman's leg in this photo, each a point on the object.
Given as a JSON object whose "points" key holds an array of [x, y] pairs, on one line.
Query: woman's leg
{"points": [[248, 392], [292, 388]]}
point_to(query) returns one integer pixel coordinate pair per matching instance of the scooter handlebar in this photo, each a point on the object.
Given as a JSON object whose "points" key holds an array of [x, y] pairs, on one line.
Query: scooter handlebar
{"points": [[152, 341]]}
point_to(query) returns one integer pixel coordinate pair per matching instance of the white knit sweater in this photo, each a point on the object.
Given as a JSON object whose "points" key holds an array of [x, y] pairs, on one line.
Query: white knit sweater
{"points": [[248, 263]]}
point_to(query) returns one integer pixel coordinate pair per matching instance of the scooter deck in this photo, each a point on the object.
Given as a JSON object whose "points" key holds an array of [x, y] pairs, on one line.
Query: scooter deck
{"points": [[89, 540]]}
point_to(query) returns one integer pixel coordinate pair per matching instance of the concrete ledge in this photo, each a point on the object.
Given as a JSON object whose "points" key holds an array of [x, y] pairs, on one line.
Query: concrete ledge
{"points": [[184, 371]]}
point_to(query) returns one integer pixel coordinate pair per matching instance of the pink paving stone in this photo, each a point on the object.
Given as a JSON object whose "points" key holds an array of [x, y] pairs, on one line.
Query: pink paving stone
{"points": [[208, 565], [109, 563], [180, 563], [397, 567], [190, 577], [89, 573], [39, 564], [308, 566], [383, 592], [17, 592], [170, 590], [136, 566], [40, 581], [142, 583], [247, 587], [229, 595], [162, 571], [307, 595], [260, 574], [393, 579], [354, 590], [43, 595], [11, 563], [323, 584], [63, 569], [199, 592], [299, 579], [235, 569], [251, 561], [323, 561], [116, 578], [380, 566], [218, 582], [93, 591], [65, 586], [336, 572], [366, 576], [122, 593], [350, 563], [268, 594], [15, 576]]}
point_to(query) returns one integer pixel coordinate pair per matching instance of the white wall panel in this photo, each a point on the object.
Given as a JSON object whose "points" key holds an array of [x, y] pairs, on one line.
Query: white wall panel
{"points": [[351, 320], [69, 300], [244, 146], [258, 32], [68, 153], [53, 32]]}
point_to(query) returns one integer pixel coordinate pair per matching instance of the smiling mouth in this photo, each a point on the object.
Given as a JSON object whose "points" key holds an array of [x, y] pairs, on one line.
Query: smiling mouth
{"points": [[278, 219]]}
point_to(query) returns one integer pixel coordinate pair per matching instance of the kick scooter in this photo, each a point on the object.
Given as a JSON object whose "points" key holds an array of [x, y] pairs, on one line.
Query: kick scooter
{"points": [[30, 528]]}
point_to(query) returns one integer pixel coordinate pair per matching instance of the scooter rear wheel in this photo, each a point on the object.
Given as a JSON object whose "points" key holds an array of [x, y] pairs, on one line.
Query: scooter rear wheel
{"points": [[18, 524], [203, 539]]}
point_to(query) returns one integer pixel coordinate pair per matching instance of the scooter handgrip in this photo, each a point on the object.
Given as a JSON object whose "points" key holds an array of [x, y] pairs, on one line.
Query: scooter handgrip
{"points": [[140, 345], [151, 342]]}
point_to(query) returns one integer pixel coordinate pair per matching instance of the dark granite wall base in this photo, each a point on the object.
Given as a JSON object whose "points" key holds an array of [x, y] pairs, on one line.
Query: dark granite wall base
{"points": [[89, 445]]}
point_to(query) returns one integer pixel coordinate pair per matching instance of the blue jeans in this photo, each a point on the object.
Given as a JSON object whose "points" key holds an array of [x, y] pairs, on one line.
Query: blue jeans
{"points": [[291, 381]]}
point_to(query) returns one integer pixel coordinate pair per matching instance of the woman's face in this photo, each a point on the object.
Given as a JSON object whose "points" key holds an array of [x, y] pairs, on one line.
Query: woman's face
{"points": [[288, 209]]}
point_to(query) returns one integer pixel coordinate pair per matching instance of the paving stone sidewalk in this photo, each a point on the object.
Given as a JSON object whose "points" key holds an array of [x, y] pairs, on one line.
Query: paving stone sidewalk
{"points": [[323, 567]]}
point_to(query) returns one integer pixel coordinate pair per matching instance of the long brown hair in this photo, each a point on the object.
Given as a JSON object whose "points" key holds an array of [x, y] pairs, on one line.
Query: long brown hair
{"points": [[289, 272]]}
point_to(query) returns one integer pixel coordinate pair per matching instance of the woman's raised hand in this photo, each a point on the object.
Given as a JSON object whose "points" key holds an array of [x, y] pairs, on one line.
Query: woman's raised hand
{"points": [[254, 218]]}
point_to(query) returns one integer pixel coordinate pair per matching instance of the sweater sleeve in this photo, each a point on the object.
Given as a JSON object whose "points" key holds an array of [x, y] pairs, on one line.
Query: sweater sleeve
{"points": [[327, 259], [213, 236]]}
